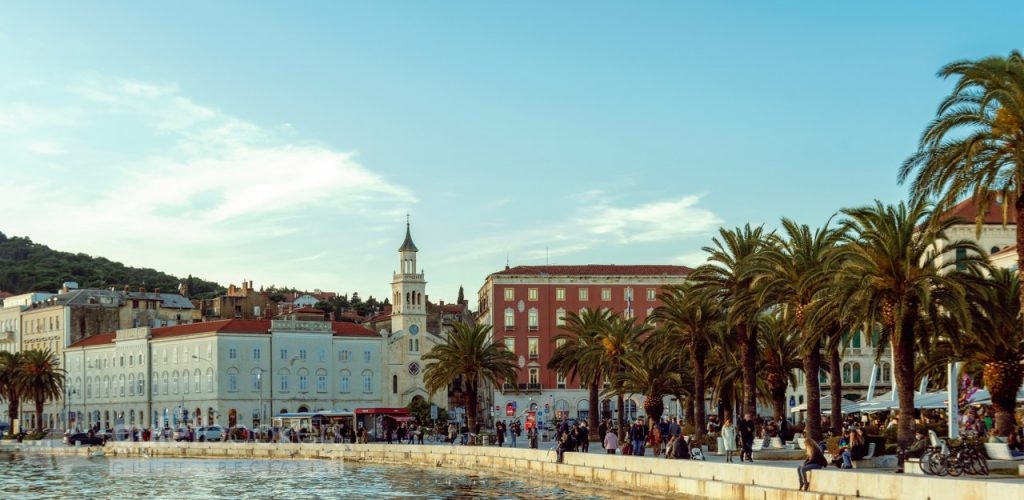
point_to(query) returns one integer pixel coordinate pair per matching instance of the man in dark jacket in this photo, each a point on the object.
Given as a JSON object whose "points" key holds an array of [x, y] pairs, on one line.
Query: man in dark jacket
{"points": [[746, 428], [638, 436]]}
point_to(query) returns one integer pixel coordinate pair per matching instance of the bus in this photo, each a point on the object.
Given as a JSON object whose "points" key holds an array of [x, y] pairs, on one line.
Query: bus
{"points": [[314, 427]]}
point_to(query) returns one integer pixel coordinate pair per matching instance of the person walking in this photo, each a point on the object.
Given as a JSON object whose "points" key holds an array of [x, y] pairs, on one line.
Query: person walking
{"points": [[815, 460], [637, 437], [729, 439], [746, 428], [611, 441]]}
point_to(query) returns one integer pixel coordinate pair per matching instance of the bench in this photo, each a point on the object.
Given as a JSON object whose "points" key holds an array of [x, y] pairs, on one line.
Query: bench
{"points": [[912, 466], [1000, 451], [868, 461]]}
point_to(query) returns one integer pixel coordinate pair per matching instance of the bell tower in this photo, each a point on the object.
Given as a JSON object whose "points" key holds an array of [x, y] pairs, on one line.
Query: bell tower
{"points": [[408, 339]]}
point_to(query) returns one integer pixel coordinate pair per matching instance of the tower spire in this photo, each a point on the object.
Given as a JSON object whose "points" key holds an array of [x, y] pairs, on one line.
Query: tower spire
{"points": [[408, 245]]}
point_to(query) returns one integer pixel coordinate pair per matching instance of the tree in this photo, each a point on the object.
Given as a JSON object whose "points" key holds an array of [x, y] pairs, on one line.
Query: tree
{"points": [[687, 320], [580, 355], [779, 345], [995, 340], [792, 273], [10, 387], [975, 144], [896, 273], [622, 337], [472, 354], [41, 379], [726, 278], [649, 372]]}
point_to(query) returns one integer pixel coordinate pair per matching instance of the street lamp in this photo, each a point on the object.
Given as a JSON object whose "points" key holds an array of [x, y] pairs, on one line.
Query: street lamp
{"points": [[209, 413], [64, 410]]}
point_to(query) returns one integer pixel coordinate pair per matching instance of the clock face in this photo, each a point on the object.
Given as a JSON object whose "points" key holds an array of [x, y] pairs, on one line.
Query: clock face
{"points": [[414, 368], [414, 329]]}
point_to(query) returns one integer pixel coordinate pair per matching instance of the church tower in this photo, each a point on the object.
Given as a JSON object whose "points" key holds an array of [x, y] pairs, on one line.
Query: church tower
{"points": [[408, 339]]}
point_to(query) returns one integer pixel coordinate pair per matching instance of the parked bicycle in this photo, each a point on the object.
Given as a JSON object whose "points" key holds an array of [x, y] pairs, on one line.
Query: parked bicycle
{"points": [[956, 459]]}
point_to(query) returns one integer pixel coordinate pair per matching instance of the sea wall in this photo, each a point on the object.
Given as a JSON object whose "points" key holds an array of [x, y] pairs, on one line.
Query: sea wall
{"points": [[644, 474]]}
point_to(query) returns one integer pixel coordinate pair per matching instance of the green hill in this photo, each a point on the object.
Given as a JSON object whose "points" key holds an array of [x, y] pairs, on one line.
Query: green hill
{"points": [[30, 267]]}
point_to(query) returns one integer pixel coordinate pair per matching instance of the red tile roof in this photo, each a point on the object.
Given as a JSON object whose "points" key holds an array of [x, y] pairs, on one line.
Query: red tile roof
{"points": [[346, 329], [596, 270], [968, 211], [103, 338], [453, 308]]}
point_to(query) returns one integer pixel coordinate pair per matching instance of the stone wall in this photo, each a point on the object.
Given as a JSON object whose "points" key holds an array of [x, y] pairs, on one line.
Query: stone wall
{"points": [[647, 474]]}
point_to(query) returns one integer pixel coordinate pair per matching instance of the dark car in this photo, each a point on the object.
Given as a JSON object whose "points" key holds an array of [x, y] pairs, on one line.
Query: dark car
{"points": [[84, 439]]}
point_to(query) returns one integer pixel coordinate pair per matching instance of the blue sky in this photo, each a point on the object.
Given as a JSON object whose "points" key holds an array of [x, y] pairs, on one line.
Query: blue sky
{"points": [[284, 142]]}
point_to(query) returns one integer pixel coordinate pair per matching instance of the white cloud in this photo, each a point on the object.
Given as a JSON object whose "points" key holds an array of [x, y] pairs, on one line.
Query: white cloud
{"points": [[158, 179], [655, 221]]}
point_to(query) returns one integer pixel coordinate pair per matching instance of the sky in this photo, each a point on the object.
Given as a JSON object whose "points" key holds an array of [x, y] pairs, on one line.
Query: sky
{"points": [[286, 142]]}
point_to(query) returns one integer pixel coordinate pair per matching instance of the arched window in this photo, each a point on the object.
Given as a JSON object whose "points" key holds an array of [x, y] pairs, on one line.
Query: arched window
{"points": [[131, 384], [533, 320], [176, 383], [343, 378], [197, 382], [209, 380], [560, 317], [886, 372]]}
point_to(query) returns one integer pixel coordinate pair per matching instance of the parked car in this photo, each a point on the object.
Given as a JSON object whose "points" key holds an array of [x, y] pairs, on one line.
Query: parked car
{"points": [[183, 434], [84, 439], [211, 433]]}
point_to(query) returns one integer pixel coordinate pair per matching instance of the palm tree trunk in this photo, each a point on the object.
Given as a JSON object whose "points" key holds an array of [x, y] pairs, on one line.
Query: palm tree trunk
{"points": [[1003, 378], [13, 406], [472, 401], [595, 393], [903, 365], [812, 364], [836, 386], [620, 407], [690, 410], [748, 358], [698, 392], [39, 414], [779, 400]]}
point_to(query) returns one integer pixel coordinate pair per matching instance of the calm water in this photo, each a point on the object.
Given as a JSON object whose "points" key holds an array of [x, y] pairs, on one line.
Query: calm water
{"points": [[41, 476]]}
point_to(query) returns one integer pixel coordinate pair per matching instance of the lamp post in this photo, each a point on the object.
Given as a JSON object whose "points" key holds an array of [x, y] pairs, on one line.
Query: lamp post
{"points": [[259, 381], [199, 399]]}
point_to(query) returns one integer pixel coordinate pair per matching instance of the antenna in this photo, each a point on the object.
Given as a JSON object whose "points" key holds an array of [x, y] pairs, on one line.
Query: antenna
{"points": [[546, 262]]}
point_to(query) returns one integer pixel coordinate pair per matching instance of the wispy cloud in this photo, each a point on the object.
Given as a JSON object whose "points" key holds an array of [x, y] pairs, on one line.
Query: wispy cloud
{"points": [[156, 176]]}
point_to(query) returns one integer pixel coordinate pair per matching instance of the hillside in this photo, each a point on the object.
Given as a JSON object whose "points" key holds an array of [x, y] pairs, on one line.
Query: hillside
{"points": [[30, 267]]}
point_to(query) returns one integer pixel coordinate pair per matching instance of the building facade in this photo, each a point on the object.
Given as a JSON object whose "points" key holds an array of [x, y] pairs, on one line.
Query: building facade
{"points": [[526, 307], [226, 372]]}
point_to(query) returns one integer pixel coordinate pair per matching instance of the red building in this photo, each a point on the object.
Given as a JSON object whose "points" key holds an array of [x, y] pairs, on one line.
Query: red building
{"points": [[526, 305]]}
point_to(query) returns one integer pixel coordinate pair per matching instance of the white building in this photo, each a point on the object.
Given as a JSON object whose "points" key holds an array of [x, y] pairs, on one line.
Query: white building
{"points": [[229, 372]]}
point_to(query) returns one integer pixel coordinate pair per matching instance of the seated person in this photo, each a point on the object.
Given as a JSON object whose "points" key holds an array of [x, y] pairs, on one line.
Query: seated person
{"points": [[857, 449], [680, 449], [920, 445], [1013, 441]]}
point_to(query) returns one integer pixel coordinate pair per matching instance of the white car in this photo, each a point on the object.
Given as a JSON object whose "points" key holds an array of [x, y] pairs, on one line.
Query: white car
{"points": [[211, 433]]}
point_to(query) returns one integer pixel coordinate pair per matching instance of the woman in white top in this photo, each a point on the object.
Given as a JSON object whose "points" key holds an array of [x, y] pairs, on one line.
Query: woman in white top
{"points": [[611, 441], [729, 439]]}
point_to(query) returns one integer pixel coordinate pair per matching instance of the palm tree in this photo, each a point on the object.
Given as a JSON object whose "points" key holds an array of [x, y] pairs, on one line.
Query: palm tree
{"points": [[41, 379], [726, 278], [896, 274], [10, 388], [792, 273], [580, 355], [472, 354], [975, 144], [622, 337], [649, 372], [995, 340], [687, 320], [726, 378], [779, 346]]}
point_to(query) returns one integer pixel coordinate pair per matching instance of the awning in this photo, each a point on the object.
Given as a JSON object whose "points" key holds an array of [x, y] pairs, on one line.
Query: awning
{"points": [[401, 418], [382, 411]]}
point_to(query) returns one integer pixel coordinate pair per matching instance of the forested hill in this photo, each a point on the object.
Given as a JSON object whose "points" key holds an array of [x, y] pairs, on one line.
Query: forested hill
{"points": [[30, 267]]}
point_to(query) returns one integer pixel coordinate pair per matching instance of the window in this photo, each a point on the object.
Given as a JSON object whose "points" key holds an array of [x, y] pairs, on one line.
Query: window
{"points": [[209, 380], [284, 382], [414, 345], [257, 381], [232, 382], [559, 294], [185, 383], [256, 353], [232, 353], [321, 355], [533, 347], [303, 383], [510, 294], [961, 256], [886, 375], [822, 377], [652, 294], [302, 354], [131, 385], [510, 344], [851, 373], [560, 380], [560, 317], [606, 294], [394, 384], [343, 383], [284, 354], [141, 384], [584, 294], [627, 294], [343, 355], [177, 383], [532, 320], [532, 294], [535, 378], [510, 319], [366, 356], [198, 375], [853, 340], [321, 382], [367, 382]]}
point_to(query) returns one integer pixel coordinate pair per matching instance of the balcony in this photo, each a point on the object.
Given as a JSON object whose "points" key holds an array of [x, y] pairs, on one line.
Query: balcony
{"points": [[508, 386], [534, 328], [510, 328], [534, 355]]}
